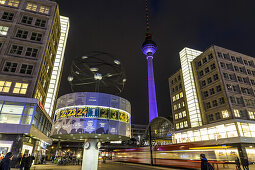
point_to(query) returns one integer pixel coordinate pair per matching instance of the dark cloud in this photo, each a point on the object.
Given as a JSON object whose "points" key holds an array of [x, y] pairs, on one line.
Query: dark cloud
{"points": [[118, 27]]}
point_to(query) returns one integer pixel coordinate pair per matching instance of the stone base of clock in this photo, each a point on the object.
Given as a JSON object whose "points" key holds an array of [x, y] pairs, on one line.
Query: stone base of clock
{"points": [[90, 154]]}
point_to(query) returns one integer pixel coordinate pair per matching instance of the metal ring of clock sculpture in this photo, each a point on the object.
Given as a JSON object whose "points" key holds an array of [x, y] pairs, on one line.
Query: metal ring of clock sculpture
{"points": [[97, 71]]}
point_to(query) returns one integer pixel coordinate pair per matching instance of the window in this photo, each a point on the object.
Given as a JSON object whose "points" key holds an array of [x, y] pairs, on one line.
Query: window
{"points": [[177, 125], [213, 66], [219, 54], [251, 115], [242, 70], [233, 58], [239, 100], [214, 103], [14, 3], [232, 99], [245, 62], [31, 52], [239, 79], [203, 83], [26, 69], [229, 66], [236, 113], [201, 73], [210, 56], [205, 94], [5, 86], [229, 87], [221, 100], [184, 114], [7, 16], [20, 88], [181, 94], [1, 44], [180, 115], [36, 36], [215, 77], [10, 67], [239, 60], [185, 123], [226, 56], [212, 91], [16, 49], [40, 23], [217, 115], [3, 2], [236, 88], [22, 34], [211, 118], [249, 71], [175, 107], [208, 105], [250, 63], [176, 116], [243, 90], [199, 63], [225, 75], [246, 80], [181, 125], [232, 77], [204, 60], [177, 97], [218, 88], [236, 68], [179, 78], [209, 80], [252, 82], [44, 9], [27, 20], [225, 114], [3, 30], [174, 99], [31, 6], [222, 65], [207, 70]]}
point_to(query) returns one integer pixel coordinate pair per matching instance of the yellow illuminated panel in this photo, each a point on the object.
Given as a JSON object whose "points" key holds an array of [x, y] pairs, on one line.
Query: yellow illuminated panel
{"points": [[31, 6], [187, 55], [236, 113], [251, 115], [20, 88], [14, 3], [225, 114], [5, 86], [2, 2], [44, 9]]}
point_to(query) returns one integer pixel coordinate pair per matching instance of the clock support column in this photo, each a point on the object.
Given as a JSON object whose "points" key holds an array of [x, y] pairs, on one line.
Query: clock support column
{"points": [[90, 155]]}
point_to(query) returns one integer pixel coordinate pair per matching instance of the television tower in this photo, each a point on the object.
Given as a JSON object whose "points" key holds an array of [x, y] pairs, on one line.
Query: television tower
{"points": [[149, 47]]}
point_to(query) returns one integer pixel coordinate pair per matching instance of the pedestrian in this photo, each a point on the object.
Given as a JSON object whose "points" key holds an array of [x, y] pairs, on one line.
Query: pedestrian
{"points": [[5, 163], [19, 158], [238, 164], [204, 162], [245, 164]]}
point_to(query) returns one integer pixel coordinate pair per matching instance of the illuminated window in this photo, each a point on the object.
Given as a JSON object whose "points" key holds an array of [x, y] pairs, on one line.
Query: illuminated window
{"points": [[180, 115], [175, 107], [185, 123], [5, 86], [14, 3], [179, 105], [2, 2], [184, 114], [225, 114], [177, 125], [3, 30], [20, 88], [183, 104], [44, 9], [181, 125], [236, 112], [251, 115], [7, 16], [177, 97], [176, 116], [181, 94], [31, 6], [174, 99]]}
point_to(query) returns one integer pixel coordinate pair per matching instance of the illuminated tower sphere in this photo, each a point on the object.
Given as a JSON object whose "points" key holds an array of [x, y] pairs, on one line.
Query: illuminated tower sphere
{"points": [[149, 47]]}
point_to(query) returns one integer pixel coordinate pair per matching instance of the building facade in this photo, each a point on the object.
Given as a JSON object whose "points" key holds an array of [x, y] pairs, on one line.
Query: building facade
{"points": [[223, 95], [30, 32]]}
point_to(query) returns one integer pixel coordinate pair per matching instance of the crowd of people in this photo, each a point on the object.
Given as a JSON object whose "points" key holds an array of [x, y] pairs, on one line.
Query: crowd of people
{"points": [[22, 162]]}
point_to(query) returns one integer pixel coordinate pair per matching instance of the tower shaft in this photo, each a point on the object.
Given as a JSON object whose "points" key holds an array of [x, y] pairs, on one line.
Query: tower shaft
{"points": [[153, 110]]}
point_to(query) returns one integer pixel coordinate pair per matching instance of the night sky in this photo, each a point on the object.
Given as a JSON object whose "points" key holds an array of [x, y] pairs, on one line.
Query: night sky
{"points": [[118, 27]]}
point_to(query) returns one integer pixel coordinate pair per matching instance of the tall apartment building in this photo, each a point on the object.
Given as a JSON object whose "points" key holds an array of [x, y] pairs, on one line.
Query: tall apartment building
{"points": [[220, 95], [30, 40]]}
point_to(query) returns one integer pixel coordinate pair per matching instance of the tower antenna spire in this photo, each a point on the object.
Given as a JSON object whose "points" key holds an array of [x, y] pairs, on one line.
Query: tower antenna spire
{"points": [[148, 32]]}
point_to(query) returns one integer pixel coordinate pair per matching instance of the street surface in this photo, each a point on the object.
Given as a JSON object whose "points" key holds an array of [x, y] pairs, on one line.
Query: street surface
{"points": [[116, 166]]}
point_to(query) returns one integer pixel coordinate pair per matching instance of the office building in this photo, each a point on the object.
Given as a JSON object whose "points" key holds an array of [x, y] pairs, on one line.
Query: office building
{"points": [[30, 34], [217, 89]]}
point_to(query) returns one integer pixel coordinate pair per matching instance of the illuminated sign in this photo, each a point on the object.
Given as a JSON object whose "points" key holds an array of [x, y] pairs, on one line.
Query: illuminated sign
{"points": [[93, 112]]}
